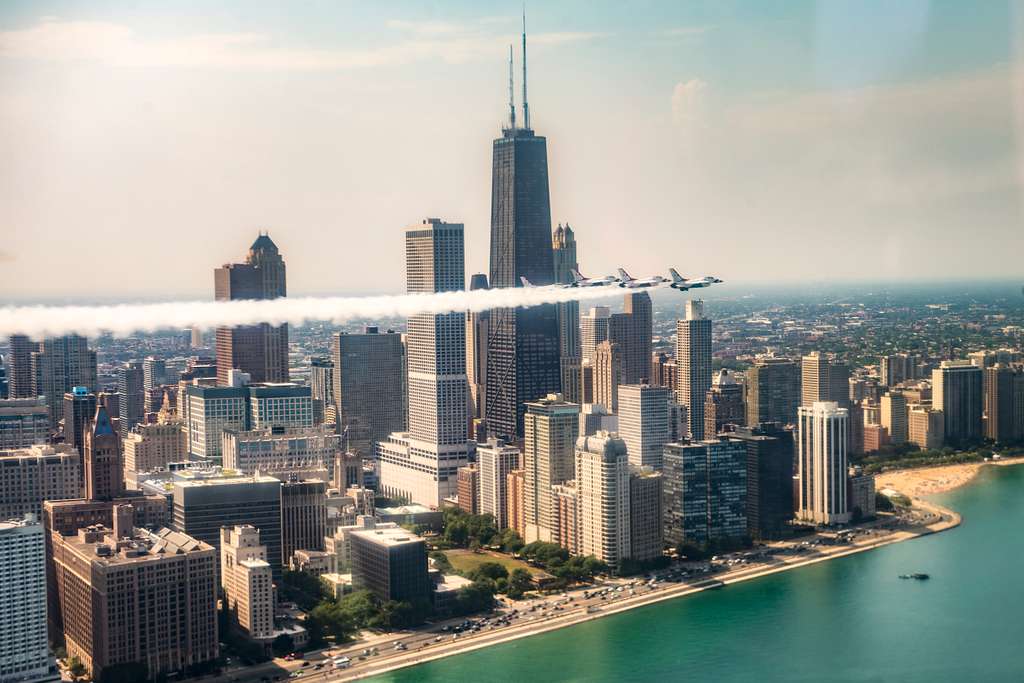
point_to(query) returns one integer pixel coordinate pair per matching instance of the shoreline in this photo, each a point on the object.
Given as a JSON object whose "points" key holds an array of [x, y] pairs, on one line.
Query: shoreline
{"points": [[919, 482]]}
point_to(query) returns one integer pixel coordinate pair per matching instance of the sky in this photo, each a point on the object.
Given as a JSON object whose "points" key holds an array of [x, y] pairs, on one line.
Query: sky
{"points": [[144, 144]]}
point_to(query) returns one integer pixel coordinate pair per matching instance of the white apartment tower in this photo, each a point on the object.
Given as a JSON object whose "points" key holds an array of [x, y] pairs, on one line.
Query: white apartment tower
{"points": [[423, 463], [247, 580], [495, 460], [821, 463], [23, 652], [644, 423], [693, 360], [602, 488], [593, 330]]}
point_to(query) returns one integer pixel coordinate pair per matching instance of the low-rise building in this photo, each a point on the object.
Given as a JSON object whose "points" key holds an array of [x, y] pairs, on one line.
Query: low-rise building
{"points": [[391, 563], [247, 580]]}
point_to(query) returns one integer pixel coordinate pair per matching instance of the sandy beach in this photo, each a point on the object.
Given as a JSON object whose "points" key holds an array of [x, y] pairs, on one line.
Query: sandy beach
{"points": [[927, 481]]}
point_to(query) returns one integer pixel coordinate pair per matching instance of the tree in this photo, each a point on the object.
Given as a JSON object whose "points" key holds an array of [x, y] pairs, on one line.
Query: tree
{"points": [[519, 581], [282, 645], [476, 597], [361, 607], [489, 570], [76, 668], [333, 621]]}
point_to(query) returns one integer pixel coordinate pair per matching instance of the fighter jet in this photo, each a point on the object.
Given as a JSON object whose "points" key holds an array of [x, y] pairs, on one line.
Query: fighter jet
{"points": [[632, 283], [529, 285], [579, 281], [682, 284]]}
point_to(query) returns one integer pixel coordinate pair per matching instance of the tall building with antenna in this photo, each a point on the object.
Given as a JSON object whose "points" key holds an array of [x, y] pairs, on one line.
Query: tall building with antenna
{"points": [[523, 345]]}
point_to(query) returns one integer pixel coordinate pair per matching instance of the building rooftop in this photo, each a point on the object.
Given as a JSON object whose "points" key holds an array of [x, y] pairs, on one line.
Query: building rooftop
{"points": [[394, 536]]}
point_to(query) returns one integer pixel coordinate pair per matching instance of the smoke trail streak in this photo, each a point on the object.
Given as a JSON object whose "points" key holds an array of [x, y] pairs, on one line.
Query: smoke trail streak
{"points": [[122, 320]]}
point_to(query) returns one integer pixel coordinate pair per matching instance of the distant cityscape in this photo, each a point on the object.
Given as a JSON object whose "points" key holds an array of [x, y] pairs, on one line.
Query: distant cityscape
{"points": [[246, 501]]}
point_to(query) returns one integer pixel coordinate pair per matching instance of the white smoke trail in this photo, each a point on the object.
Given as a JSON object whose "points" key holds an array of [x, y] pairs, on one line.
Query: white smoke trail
{"points": [[122, 320]]}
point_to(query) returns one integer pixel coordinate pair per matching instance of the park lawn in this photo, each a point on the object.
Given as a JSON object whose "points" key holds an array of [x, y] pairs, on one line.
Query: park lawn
{"points": [[466, 560]]}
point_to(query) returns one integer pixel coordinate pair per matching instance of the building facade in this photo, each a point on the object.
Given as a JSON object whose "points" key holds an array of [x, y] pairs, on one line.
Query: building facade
{"points": [[693, 358], [32, 475], [247, 581], [24, 655], [603, 488], [957, 390], [494, 460], [551, 426], [23, 422], [644, 423], [822, 464], [772, 391]]}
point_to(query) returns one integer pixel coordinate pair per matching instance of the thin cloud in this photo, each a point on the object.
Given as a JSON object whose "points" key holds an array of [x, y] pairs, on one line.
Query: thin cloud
{"points": [[119, 45], [685, 31]]}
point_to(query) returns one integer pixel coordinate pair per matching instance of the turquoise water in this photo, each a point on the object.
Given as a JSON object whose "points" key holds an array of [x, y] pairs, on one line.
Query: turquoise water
{"points": [[849, 619]]}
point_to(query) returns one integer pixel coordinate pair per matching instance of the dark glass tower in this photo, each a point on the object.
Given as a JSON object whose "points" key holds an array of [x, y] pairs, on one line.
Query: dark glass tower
{"points": [[522, 344]]}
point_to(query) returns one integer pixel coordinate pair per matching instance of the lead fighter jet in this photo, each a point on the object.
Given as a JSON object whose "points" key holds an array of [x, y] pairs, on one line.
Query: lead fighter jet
{"points": [[682, 284]]}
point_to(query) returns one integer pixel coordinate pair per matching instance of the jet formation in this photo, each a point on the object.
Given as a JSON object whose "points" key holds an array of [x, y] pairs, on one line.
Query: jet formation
{"points": [[626, 281]]}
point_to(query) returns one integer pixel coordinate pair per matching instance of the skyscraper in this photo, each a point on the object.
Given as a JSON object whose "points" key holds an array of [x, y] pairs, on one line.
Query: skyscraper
{"points": [[633, 330], [247, 579], [79, 408], [773, 391], [259, 350], [824, 379], [60, 364], [769, 478], [693, 357], [523, 344], [705, 485], [23, 652], [602, 490], [495, 459], [822, 463], [154, 374], [552, 425], [957, 392], [321, 386], [131, 390], [892, 411], [423, 464], [644, 423], [563, 246], [723, 404], [369, 386], [23, 422], [101, 453], [607, 366], [593, 330], [1004, 403], [20, 379]]}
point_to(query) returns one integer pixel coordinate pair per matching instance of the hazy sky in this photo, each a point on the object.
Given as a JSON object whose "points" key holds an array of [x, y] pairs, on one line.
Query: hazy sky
{"points": [[143, 144]]}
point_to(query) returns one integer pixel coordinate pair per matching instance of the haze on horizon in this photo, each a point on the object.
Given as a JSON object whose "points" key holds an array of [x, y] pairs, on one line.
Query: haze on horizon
{"points": [[145, 146]]}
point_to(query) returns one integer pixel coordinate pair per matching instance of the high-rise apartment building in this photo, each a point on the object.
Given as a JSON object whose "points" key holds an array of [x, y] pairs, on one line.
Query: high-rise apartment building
{"points": [[603, 488], [20, 377], [892, 412], [773, 391], [141, 601], [646, 537], [663, 370], [822, 464], [693, 358], [259, 350], [23, 422], [280, 406], [103, 467], [823, 379], [24, 655], [898, 367], [593, 330], [321, 386], [247, 580], [523, 344], [607, 366], [302, 452], [369, 387], [468, 486], [32, 475], [563, 251], [423, 463], [957, 392], [769, 478], [633, 331], [79, 408], [131, 390], [59, 365], [515, 491], [723, 404], [494, 460], [925, 427], [705, 485], [202, 505], [551, 426], [644, 423], [154, 375], [1004, 403], [153, 446]]}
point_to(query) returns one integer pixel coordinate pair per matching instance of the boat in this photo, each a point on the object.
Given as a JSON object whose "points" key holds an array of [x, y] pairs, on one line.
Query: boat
{"points": [[918, 576]]}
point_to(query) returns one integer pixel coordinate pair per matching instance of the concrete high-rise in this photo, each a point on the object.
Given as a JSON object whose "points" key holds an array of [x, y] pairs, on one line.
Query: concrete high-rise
{"points": [[60, 364], [36, 474], [898, 367], [23, 652], [957, 392], [892, 409], [477, 326], [23, 422], [644, 423], [523, 344], [211, 410], [593, 330], [926, 427], [369, 386], [607, 365], [20, 378], [423, 464], [154, 374], [301, 452], [824, 379], [822, 464], [552, 425], [321, 386], [772, 391], [646, 518], [260, 350], [494, 460], [131, 390], [723, 404], [602, 489], [247, 580], [693, 358], [101, 455]]}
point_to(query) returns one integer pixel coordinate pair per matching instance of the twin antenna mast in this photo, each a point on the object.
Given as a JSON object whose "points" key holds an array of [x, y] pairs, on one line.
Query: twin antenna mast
{"points": [[511, 86]]}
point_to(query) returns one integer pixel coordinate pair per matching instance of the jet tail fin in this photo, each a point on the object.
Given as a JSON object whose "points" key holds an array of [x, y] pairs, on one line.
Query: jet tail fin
{"points": [[526, 283], [676, 277], [576, 275], [624, 276]]}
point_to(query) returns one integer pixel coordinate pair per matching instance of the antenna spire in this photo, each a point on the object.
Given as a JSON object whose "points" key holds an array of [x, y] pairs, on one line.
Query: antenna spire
{"points": [[511, 93], [526, 106]]}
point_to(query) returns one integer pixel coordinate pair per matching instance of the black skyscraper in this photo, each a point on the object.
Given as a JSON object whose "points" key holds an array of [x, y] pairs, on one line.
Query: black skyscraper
{"points": [[522, 345]]}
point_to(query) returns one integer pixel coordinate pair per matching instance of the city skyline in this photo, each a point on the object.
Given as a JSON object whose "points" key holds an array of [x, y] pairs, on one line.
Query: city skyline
{"points": [[933, 123]]}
